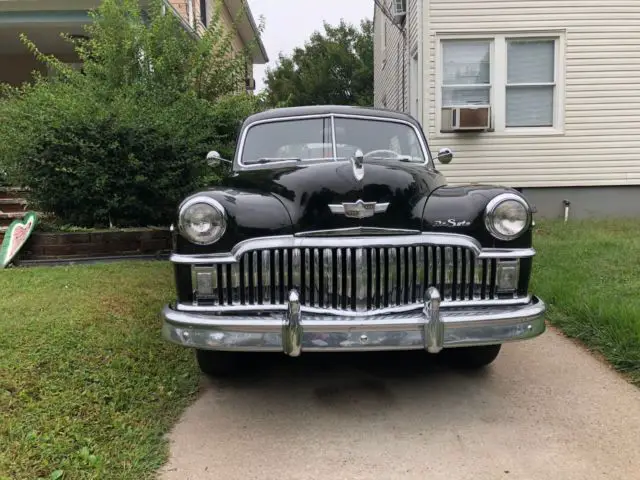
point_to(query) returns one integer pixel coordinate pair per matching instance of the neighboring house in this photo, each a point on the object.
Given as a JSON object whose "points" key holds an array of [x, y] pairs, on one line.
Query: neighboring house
{"points": [[540, 95], [43, 21]]}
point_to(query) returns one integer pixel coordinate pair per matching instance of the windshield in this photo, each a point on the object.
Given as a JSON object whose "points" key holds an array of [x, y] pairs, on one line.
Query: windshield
{"points": [[312, 139]]}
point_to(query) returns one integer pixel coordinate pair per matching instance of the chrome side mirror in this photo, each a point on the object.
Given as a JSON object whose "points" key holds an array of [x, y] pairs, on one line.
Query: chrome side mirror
{"points": [[445, 155], [214, 158]]}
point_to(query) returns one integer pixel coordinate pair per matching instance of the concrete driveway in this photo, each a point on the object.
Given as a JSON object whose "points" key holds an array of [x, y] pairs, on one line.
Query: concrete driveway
{"points": [[546, 409]]}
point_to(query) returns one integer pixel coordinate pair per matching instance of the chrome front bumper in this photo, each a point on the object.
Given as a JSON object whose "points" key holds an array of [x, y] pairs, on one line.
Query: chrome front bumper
{"points": [[295, 331]]}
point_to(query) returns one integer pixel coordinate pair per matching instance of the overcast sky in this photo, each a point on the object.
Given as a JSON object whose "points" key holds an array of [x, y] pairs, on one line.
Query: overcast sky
{"points": [[289, 23]]}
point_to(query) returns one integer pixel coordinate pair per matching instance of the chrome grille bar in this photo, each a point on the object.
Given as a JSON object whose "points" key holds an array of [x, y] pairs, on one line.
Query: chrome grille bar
{"points": [[351, 278]]}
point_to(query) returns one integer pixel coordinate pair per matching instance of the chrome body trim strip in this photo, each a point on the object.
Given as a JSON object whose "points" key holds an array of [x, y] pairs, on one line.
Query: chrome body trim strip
{"points": [[334, 144], [294, 332], [412, 308], [366, 231], [291, 241]]}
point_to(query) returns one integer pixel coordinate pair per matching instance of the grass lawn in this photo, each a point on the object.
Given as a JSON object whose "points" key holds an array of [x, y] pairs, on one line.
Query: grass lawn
{"points": [[87, 386], [589, 274]]}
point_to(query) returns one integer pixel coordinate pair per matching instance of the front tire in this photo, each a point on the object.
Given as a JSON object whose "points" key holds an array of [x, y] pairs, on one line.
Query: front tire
{"points": [[218, 364], [473, 358]]}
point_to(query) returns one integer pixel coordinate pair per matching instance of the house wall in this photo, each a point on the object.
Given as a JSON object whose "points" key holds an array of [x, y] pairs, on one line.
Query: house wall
{"points": [[226, 19], [594, 159], [599, 144], [387, 63], [585, 202], [182, 6], [391, 60], [16, 69]]}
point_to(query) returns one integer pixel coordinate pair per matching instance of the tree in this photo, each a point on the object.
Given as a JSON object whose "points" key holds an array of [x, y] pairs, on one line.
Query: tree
{"points": [[332, 68], [121, 143]]}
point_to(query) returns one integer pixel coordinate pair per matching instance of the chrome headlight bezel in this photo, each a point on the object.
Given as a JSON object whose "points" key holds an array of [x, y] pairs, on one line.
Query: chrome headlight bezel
{"points": [[492, 207], [216, 234]]}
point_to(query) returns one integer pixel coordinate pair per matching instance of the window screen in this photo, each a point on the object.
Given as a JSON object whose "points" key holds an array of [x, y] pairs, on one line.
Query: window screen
{"points": [[466, 72], [530, 83]]}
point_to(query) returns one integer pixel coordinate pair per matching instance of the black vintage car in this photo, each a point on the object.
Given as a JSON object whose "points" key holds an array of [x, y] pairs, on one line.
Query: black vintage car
{"points": [[336, 232]]}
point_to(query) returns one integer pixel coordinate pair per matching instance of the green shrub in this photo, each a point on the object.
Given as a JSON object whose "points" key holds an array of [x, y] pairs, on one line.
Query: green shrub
{"points": [[123, 142]]}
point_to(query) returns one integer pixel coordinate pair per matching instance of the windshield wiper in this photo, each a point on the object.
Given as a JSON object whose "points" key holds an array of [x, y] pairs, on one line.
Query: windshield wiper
{"points": [[277, 159]]}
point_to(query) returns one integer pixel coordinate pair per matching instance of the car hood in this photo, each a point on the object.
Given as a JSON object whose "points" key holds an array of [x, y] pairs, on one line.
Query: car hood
{"points": [[307, 192]]}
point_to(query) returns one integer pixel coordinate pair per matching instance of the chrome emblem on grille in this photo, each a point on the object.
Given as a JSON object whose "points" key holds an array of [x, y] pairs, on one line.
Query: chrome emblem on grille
{"points": [[359, 209]]}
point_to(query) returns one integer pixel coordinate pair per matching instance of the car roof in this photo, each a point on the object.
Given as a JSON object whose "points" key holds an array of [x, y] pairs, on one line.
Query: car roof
{"points": [[276, 113]]}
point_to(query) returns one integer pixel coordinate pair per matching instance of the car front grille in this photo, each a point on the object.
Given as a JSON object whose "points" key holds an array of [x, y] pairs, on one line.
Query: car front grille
{"points": [[350, 278]]}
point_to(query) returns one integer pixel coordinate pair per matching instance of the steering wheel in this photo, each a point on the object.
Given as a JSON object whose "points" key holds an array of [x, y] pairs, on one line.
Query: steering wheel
{"points": [[381, 153]]}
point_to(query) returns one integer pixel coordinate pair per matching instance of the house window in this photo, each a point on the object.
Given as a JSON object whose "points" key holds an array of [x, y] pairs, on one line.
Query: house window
{"points": [[466, 76], [203, 12], [518, 76], [530, 83]]}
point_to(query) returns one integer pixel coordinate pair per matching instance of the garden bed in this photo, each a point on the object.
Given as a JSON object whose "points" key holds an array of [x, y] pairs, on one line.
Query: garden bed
{"points": [[87, 244]]}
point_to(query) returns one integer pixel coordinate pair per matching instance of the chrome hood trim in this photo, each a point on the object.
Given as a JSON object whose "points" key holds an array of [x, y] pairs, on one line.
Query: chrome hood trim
{"points": [[291, 241], [347, 232]]}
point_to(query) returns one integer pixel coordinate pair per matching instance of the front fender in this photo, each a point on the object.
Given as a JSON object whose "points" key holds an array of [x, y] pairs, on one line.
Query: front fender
{"points": [[461, 210], [249, 215]]}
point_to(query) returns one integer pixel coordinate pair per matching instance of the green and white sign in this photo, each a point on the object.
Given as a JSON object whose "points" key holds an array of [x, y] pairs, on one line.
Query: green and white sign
{"points": [[16, 236]]}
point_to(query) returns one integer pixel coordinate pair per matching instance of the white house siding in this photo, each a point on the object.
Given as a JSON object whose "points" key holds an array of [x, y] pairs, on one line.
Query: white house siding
{"points": [[389, 64], [413, 23], [600, 141]]}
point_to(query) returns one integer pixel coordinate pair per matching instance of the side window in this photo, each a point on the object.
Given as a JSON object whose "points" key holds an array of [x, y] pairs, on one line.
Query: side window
{"points": [[414, 147]]}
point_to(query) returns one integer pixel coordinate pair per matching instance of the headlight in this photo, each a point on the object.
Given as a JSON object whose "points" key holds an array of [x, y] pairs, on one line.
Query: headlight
{"points": [[507, 216], [202, 220]]}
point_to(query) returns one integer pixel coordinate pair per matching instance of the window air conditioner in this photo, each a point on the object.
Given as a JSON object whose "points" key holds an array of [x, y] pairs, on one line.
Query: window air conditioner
{"points": [[466, 118], [399, 10]]}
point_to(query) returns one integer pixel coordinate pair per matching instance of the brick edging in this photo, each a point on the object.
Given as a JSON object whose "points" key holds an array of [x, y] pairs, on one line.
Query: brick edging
{"points": [[86, 245]]}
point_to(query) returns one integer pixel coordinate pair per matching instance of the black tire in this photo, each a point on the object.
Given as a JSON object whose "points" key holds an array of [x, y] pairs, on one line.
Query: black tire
{"points": [[473, 358], [219, 364]]}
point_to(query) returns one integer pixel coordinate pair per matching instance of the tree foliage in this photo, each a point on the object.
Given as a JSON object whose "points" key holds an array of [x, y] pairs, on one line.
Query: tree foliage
{"points": [[125, 140], [334, 67]]}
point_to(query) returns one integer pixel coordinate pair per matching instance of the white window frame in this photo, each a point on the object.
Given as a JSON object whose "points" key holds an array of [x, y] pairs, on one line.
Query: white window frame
{"points": [[498, 97], [191, 13], [415, 100], [384, 40]]}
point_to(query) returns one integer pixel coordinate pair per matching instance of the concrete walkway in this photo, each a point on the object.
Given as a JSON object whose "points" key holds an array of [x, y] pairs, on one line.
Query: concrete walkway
{"points": [[546, 409]]}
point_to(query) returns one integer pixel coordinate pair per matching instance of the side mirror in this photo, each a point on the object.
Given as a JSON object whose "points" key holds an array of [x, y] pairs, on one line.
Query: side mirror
{"points": [[214, 158], [445, 155]]}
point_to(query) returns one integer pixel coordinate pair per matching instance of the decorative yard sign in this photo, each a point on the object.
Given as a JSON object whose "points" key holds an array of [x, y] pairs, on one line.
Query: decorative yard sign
{"points": [[15, 237]]}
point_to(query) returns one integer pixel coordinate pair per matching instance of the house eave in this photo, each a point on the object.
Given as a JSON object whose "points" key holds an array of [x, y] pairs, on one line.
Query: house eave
{"points": [[248, 29]]}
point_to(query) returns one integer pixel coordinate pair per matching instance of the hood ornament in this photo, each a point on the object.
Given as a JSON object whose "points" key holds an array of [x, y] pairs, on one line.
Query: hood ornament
{"points": [[357, 165], [358, 209]]}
